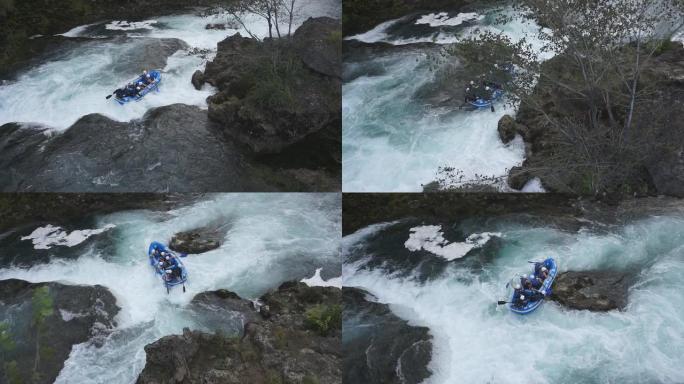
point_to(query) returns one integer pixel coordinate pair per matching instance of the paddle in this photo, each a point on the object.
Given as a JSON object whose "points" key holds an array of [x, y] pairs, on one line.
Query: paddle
{"points": [[183, 287], [110, 96], [501, 302]]}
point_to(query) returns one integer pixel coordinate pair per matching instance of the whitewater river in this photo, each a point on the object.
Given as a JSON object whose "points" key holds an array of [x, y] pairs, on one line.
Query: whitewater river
{"points": [[432, 275], [395, 140], [74, 82], [270, 238]]}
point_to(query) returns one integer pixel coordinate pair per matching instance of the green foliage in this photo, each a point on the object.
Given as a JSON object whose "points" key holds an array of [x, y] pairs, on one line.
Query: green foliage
{"points": [[273, 80], [6, 342], [324, 318], [280, 337], [42, 305], [272, 377], [310, 380], [248, 352], [12, 373]]}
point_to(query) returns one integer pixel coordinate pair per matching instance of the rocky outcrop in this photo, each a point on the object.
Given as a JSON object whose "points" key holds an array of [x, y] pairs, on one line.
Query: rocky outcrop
{"points": [[276, 93], [652, 159], [379, 347], [40, 322], [507, 129], [172, 148], [294, 339], [198, 240], [592, 290]]}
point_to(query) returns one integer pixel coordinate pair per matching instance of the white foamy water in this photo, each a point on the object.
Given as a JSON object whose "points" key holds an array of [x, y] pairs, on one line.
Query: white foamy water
{"points": [[431, 238], [475, 341], [394, 142], [49, 236], [57, 93], [271, 238], [317, 281]]}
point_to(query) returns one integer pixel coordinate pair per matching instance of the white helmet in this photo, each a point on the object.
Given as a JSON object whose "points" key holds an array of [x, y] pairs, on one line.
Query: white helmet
{"points": [[145, 72], [517, 286], [487, 88], [544, 269], [522, 297], [168, 257], [168, 271], [161, 263], [163, 253], [531, 276]]}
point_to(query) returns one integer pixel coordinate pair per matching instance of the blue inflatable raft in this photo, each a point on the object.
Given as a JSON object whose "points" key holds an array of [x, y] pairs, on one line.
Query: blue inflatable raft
{"points": [[156, 75], [169, 279], [550, 264], [482, 103]]}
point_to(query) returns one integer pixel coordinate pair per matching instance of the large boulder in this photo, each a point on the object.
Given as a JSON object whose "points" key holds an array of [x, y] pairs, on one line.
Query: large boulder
{"points": [[174, 147], [198, 240], [592, 290], [379, 347], [41, 322], [197, 79], [276, 93], [506, 128], [299, 342]]}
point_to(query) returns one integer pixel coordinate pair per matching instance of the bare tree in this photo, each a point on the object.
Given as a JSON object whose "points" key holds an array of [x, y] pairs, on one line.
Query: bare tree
{"points": [[270, 10]]}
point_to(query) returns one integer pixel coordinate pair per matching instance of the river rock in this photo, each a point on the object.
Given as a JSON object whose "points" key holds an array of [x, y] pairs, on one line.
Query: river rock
{"points": [[518, 177], [378, 346], [592, 290], [71, 315], [197, 79], [506, 129], [281, 349], [319, 44], [197, 240]]}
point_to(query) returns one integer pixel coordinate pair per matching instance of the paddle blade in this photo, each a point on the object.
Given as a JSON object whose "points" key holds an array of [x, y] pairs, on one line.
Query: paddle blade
{"points": [[108, 97], [183, 255], [501, 302]]}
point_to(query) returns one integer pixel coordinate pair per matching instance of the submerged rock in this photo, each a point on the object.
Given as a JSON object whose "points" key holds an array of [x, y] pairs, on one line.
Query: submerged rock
{"points": [[378, 346], [289, 346], [41, 322], [197, 240], [592, 290]]}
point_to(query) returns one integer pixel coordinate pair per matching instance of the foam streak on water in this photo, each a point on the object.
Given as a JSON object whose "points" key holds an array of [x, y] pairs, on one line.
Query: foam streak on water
{"points": [[270, 238], [475, 341]]}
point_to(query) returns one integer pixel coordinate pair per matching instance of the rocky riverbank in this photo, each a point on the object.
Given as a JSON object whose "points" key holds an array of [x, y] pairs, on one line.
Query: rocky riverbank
{"points": [[652, 164], [378, 346], [41, 322], [293, 338], [280, 97]]}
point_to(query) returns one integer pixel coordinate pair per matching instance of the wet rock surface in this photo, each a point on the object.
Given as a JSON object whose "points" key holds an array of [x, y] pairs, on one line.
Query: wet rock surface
{"points": [[172, 148], [282, 347], [378, 346], [42, 321], [592, 290], [279, 93], [198, 240]]}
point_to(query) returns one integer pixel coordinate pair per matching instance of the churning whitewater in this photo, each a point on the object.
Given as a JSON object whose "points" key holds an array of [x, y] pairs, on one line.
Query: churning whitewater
{"points": [[476, 341], [396, 140], [74, 81], [270, 238]]}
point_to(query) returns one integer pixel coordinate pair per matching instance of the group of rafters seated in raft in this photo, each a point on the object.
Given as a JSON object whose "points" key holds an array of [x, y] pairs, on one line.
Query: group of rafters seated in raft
{"points": [[134, 89], [527, 289], [481, 90], [168, 264]]}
